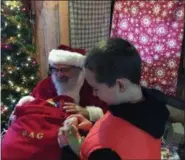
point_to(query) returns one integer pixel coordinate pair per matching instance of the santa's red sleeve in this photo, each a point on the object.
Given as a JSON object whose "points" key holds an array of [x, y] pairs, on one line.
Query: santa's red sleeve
{"points": [[93, 104]]}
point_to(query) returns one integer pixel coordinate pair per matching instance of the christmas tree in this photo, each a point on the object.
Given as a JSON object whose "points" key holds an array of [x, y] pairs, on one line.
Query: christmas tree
{"points": [[18, 66]]}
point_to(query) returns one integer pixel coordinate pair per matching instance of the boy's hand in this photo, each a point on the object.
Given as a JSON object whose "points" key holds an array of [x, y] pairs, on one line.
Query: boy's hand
{"points": [[62, 139], [70, 136], [83, 123], [73, 108]]}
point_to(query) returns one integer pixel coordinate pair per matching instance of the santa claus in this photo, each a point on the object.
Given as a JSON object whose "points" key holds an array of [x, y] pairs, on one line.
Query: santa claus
{"points": [[66, 83], [66, 78]]}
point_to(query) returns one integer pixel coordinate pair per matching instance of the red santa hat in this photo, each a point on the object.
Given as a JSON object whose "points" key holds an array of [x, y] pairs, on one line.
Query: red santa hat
{"points": [[67, 55]]}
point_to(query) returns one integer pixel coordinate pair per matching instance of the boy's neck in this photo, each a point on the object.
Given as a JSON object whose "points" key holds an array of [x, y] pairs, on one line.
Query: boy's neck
{"points": [[133, 94], [138, 96]]}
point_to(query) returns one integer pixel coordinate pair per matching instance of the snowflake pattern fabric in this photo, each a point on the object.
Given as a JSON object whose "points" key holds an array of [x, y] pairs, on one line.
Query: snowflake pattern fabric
{"points": [[156, 30]]}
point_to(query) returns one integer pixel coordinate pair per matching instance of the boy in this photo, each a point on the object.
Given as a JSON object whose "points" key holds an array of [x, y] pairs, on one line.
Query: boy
{"points": [[136, 119]]}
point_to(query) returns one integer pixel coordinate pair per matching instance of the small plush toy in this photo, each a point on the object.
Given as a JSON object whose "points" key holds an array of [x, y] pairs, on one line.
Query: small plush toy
{"points": [[69, 122], [24, 100], [69, 132], [67, 125]]}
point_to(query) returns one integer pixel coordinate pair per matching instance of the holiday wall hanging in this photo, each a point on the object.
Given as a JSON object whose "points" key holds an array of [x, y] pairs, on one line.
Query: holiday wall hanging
{"points": [[156, 30]]}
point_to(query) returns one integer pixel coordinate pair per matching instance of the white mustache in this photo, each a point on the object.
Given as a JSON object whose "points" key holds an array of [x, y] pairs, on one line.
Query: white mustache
{"points": [[71, 88], [64, 79], [65, 83]]}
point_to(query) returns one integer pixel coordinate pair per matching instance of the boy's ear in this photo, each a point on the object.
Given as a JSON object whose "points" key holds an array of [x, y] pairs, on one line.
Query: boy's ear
{"points": [[121, 84]]}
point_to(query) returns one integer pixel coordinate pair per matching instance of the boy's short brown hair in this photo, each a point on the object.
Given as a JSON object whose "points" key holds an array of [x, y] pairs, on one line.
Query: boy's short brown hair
{"points": [[112, 59]]}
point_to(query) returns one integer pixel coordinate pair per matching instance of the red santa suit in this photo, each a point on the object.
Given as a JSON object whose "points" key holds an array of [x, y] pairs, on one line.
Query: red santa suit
{"points": [[82, 94], [33, 134]]}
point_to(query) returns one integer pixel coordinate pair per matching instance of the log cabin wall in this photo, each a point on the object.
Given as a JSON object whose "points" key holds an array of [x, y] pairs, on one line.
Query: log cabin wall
{"points": [[51, 29]]}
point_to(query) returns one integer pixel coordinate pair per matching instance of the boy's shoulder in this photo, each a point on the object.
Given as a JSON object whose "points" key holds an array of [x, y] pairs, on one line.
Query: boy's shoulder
{"points": [[155, 94]]}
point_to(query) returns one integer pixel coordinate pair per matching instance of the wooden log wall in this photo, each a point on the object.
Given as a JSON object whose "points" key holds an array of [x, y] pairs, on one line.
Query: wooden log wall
{"points": [[51, 29]]}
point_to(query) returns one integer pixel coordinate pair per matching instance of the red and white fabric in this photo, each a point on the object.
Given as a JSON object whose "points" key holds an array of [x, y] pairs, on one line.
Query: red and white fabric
{"points": [[156, 30]]}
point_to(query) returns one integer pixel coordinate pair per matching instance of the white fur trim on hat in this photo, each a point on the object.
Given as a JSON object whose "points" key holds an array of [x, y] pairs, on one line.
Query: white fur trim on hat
{"points": [[95, 113], [66, 57]]}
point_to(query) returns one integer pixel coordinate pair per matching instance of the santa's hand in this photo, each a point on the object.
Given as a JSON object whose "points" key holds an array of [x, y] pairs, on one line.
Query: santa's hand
{"points": [[73, 108], [73, 138], [83, 123]]}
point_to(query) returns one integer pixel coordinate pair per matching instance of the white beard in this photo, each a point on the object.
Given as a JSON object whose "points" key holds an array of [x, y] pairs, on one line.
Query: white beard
{"points": [[71, 88]]}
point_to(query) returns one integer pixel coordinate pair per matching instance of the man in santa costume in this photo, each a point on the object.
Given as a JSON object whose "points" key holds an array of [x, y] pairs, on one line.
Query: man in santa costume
{"points": [[66, 78], [66, 83]]}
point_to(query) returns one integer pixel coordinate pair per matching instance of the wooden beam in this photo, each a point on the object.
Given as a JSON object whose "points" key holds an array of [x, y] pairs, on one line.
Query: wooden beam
{"points": [[47, 31], [38, 5], [64, 22]]}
